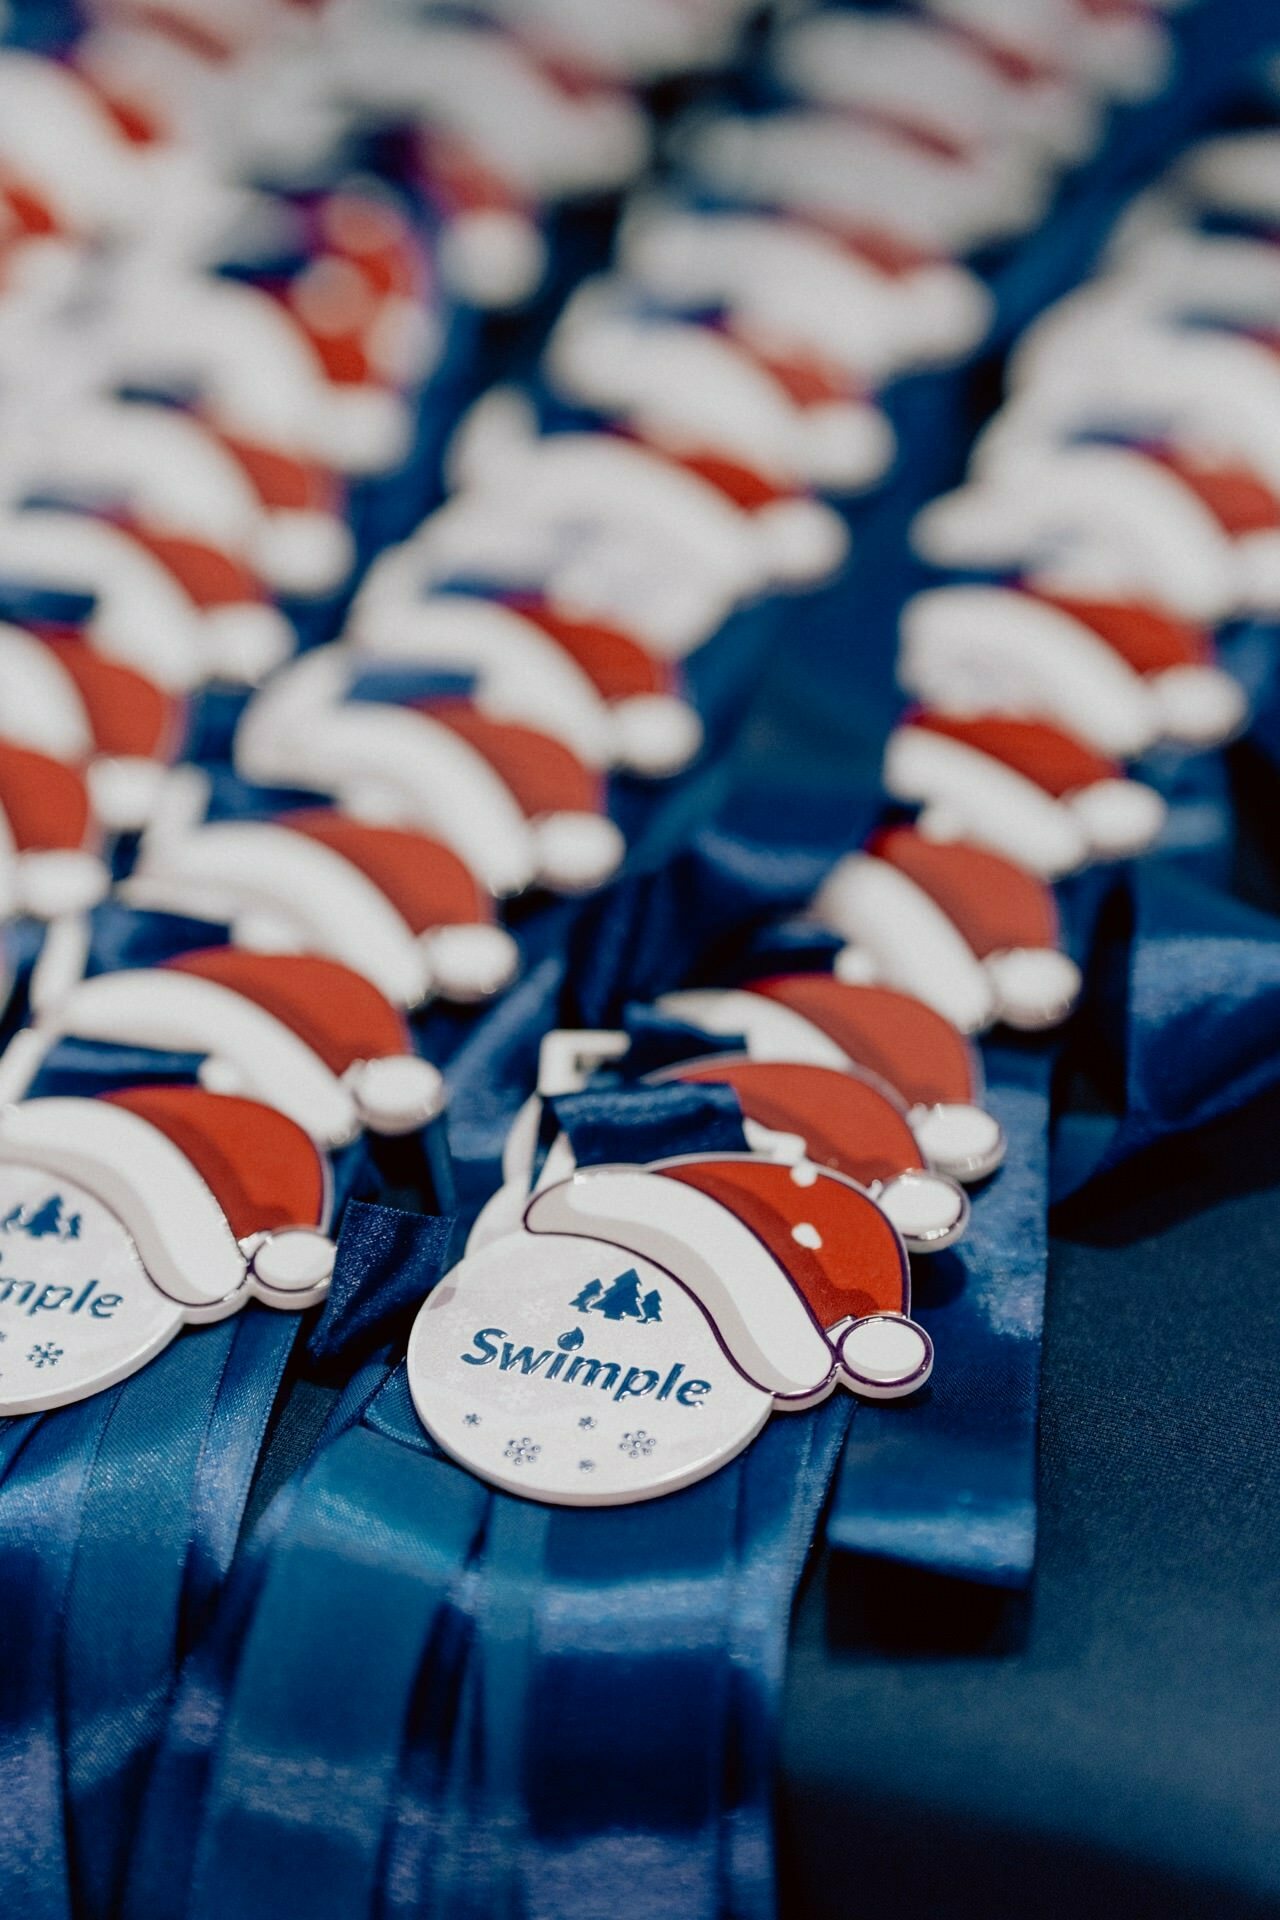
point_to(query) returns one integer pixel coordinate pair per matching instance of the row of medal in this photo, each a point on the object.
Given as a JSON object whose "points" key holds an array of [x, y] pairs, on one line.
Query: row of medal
{"points": [[386, 793]]}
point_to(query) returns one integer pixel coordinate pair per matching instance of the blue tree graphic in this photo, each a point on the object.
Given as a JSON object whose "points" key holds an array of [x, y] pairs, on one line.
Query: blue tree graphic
{"points": [[588, 1297], [651, 1305], [46, 1219], [622, 1301]]}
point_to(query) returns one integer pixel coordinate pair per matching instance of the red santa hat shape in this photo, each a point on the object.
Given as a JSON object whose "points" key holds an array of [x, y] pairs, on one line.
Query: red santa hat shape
{"points": [[908, 1046], [63, 699], [49, 865], [1021, 787], [223, 1198], [686, 385], [388, 902], [141, 617], [790, 1264], [1090, 518], [242, 636], [303, 544], [516, 804], [581, 681], [847, 1123], [973, 934], [295, 1031], [1197, 704]]}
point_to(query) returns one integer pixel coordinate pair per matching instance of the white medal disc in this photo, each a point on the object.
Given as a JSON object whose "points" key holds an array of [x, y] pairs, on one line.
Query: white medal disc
{"points": [[77, 1309], [570, 1371]]}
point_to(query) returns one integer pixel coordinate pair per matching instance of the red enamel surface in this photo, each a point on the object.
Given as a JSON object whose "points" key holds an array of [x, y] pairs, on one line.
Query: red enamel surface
{"points": [[845, 1123], [915, 1050], [261, 1168], [339, 1014], [542, 773], [425, 881], [284, 480], [1148, 640], [617, 665], [128, 713], [1044, 754], [44, 801], [210, 577], [1238, 500], [859, 1267], [995, 904]]}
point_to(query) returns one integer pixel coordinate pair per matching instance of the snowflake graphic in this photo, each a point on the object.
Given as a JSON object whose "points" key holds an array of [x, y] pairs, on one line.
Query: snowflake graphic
{"points": [[637, 1445], [522, 1452], [471, 1419], [586, 1466], [586, 1421], [46, 1355]]}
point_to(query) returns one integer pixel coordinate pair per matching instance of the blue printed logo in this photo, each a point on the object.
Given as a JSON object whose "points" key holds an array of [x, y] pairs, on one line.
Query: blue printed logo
{"points": [[620, 1300], [39, 1223]]}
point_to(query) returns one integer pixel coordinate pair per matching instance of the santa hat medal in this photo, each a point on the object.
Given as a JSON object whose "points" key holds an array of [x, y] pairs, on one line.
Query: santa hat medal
{"points": [[125, 1217], [638, 1334]]}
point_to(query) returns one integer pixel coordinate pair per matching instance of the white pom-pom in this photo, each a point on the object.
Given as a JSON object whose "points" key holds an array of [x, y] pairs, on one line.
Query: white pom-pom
{"points": [[124, 790], [245, 643], [962, 1140], [928, 1210], [885, 1356], [855, 966], [304, 552], [295, 1263], [577, 851], [804, 541], [61, 880], [397, 1094], [1258, 555], [471, 962], [494, 257], [500, 427], [1120, 817], [656, 734], [844, 445], [363, 429], [1199, 706], [1035, 987]]}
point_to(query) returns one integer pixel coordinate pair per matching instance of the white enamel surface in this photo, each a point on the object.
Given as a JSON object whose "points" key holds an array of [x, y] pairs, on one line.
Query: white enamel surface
{"points": [[138, 1174], [691, 386], [469, 962], [758, 1314], [256, 1055], [56, 1349], [1034, 987], [886, 1355], [770, 1030], [160, 461], [233, 871], [798, 286], [53, 131], [395, 767], [485, 89], [604, 1435], [962, 1140], [40, 703], [929, 1210], [1120, 817], [58, 881], [1200, 706], [1239, 172], [905, 66], [966, 795], [1089, 514], [142, 617], [524, 675], [1208, 391], [967, 650], [397, 1094], [910, 942], [830, 165]]}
